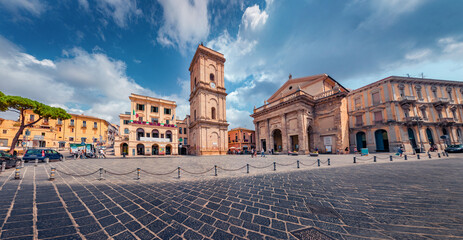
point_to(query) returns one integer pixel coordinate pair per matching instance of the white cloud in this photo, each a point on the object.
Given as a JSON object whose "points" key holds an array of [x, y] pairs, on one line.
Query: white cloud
{"points": [[239, 118], [84, 4], [418, 54], [81, 82], [253, 18], [120, 10], [35, 7], [185, 23]]}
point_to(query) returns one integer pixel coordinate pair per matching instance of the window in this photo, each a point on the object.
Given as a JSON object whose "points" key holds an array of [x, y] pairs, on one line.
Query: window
{"points": [[185, 141], [449, 92], [378, 116], [140, 107], [60, 121], [84, 123], [229, 139], [126, 122], [45, 120], [213, 113], [72, 129], [71, 139], [95, 125], [454, 113], [167, 111], [140, 119], [423, 113], [211, 77], [236, 137], [434, 91], [357, 103], [439, 113], [32, 117], [154, 109], [72, 122], [359, 120], [162, 135], [59, 129], [167, 121], [184, 131], [406, 113], [154, 120], [401, 90], [376, 98], [126, 131], [244, 136], [147, 135], [180, 130], [5, 131], [419, 94], [83, 139]]}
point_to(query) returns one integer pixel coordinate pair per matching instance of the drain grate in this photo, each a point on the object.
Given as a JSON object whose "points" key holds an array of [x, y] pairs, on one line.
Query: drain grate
{"points": [[320, 210], [310, 234]]}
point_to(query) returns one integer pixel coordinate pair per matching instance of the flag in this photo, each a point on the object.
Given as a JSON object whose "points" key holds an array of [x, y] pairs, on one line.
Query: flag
{"points": [[134, 112], [173, 117]]}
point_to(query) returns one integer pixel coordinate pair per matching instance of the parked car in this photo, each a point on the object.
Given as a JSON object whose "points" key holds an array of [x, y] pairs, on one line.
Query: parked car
{"points": [[9, 159], [41, 154], [454, 148]]}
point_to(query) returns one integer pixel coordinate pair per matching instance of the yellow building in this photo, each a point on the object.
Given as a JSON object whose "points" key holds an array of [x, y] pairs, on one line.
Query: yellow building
{"points": [[56, 133], [414, 112], [183, 142], [241, 139], [148, 129]]}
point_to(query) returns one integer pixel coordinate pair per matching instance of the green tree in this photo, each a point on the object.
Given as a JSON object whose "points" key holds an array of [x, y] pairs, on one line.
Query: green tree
{"points": [[20, 105]]}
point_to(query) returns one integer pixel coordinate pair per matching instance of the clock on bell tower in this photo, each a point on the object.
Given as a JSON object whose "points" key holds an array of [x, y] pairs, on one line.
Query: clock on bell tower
{"points": [[208, 122]]}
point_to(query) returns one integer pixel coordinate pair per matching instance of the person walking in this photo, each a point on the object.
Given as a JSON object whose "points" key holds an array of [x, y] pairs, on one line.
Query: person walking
{"points": [[263, 153], [102, 155]]}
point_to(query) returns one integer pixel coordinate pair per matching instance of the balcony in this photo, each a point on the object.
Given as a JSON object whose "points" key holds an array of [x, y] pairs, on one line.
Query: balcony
{"points": [[359, 124], [407, 100], [413, 120], [84, 126], [71, 125], [439, 103], [95, 127], [59, 123], [150, 139], [378, 122], [446, 121]]}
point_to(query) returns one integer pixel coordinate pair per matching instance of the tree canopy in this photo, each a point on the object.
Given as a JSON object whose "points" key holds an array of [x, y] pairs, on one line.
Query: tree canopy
{"points": [[20, 104]]}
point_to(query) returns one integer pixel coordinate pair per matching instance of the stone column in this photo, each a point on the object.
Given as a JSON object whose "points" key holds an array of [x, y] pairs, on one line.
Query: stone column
{"points": [[284, 134], [257, 135]]}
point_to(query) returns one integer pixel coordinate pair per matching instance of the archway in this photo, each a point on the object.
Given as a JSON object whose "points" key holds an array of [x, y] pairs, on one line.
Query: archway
{"points": [[168, 149], [361, 140], [382, 142], [155, 133], [124, 149], [155, 149], [169, 135], [140, 133], [430, 138], [411, 137], [310, 139], [446, 134], [140, 149], [277, 140]]}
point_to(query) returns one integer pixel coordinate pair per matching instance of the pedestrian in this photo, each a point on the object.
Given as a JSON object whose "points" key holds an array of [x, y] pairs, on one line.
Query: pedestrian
{"points": [[346, 150], [263, 153], [355, 150], [252, 153], [400, 151], [102, 155]]}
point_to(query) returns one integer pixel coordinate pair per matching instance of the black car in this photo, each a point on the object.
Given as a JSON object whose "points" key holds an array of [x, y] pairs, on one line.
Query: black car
{"points": [[454, 148], [9, 159]]}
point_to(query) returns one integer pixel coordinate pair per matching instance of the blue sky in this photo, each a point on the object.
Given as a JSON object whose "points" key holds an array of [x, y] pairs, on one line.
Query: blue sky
{"points": [[87, 56]]}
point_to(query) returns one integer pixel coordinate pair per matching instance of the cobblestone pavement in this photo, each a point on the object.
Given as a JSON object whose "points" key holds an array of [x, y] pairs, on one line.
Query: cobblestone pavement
{"points": [[414, 199]]}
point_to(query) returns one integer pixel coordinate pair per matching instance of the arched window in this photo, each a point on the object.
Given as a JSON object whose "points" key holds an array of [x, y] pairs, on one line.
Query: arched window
{"points": [[211, 76], [180, 130], [213, 113], [126, 131]]}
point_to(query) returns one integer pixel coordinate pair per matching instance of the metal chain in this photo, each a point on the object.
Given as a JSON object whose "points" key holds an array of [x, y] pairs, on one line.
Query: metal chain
{"points": [[261, 167], [120, 174], [198, 173], [307, 165], [289, 164], [231, 170], [77, 175], [158, 174]]}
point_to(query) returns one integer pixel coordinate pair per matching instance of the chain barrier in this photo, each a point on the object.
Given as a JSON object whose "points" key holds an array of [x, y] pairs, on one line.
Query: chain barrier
{"points": [[303, 164], [285, 165], [77, 175], [120, 174], [158, 174], [199, 173], [271, 164], [364, 159], [231, 170]]}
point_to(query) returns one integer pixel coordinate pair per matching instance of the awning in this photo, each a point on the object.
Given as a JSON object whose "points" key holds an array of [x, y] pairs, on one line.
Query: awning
{"points": [[62, 142]]}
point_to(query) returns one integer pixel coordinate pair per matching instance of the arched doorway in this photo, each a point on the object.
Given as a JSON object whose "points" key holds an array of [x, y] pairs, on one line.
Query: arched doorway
{"points": [[124, 149], [277, 140], [169, 135], [310, 139], [155, 149], [168, 150], [155, 133], [446, 136], [361, 140], [411, 137], [140, 149], [430, 138], [382, 142], [140, 133]]}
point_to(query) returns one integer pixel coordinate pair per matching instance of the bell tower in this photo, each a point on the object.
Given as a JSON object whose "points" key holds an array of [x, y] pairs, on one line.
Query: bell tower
{"points": [[208, 121]]}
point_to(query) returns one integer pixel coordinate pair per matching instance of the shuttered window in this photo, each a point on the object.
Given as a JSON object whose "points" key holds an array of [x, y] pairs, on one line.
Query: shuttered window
{"points": [[378, 116], [376, 98]]}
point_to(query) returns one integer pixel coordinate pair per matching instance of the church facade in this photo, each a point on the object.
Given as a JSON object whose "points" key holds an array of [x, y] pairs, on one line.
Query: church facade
{"points": [[207, 121]]}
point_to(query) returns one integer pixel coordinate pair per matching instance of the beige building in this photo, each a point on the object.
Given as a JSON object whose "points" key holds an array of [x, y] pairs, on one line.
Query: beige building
{"points": [[57, 133], [183, 142], [148, 129], [208, 122], [304, 115], [414, 112]]}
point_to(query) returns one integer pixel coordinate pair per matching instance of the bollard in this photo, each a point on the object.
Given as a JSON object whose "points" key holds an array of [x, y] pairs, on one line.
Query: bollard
{"points": [[138, 173], [274, 166], [215, 168], [178, 170], [52, 174], [247, 167], [429, 155], [355, 160], [438, 155], [101, 174], [405, 157], [417, 156], [390, 158], [297, 163], [18, 164], [374, 158], [36, 162], [47, 160], [329, 162], [17, 173], [22, 163], [318, 162], [3, 166]]}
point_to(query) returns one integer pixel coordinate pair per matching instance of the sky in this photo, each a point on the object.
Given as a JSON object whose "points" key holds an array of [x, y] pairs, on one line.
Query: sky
{"points": [[87, 56]]}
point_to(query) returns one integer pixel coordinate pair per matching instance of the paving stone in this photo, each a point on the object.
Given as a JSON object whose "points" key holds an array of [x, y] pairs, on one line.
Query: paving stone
{"points": [[219, 234]]}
